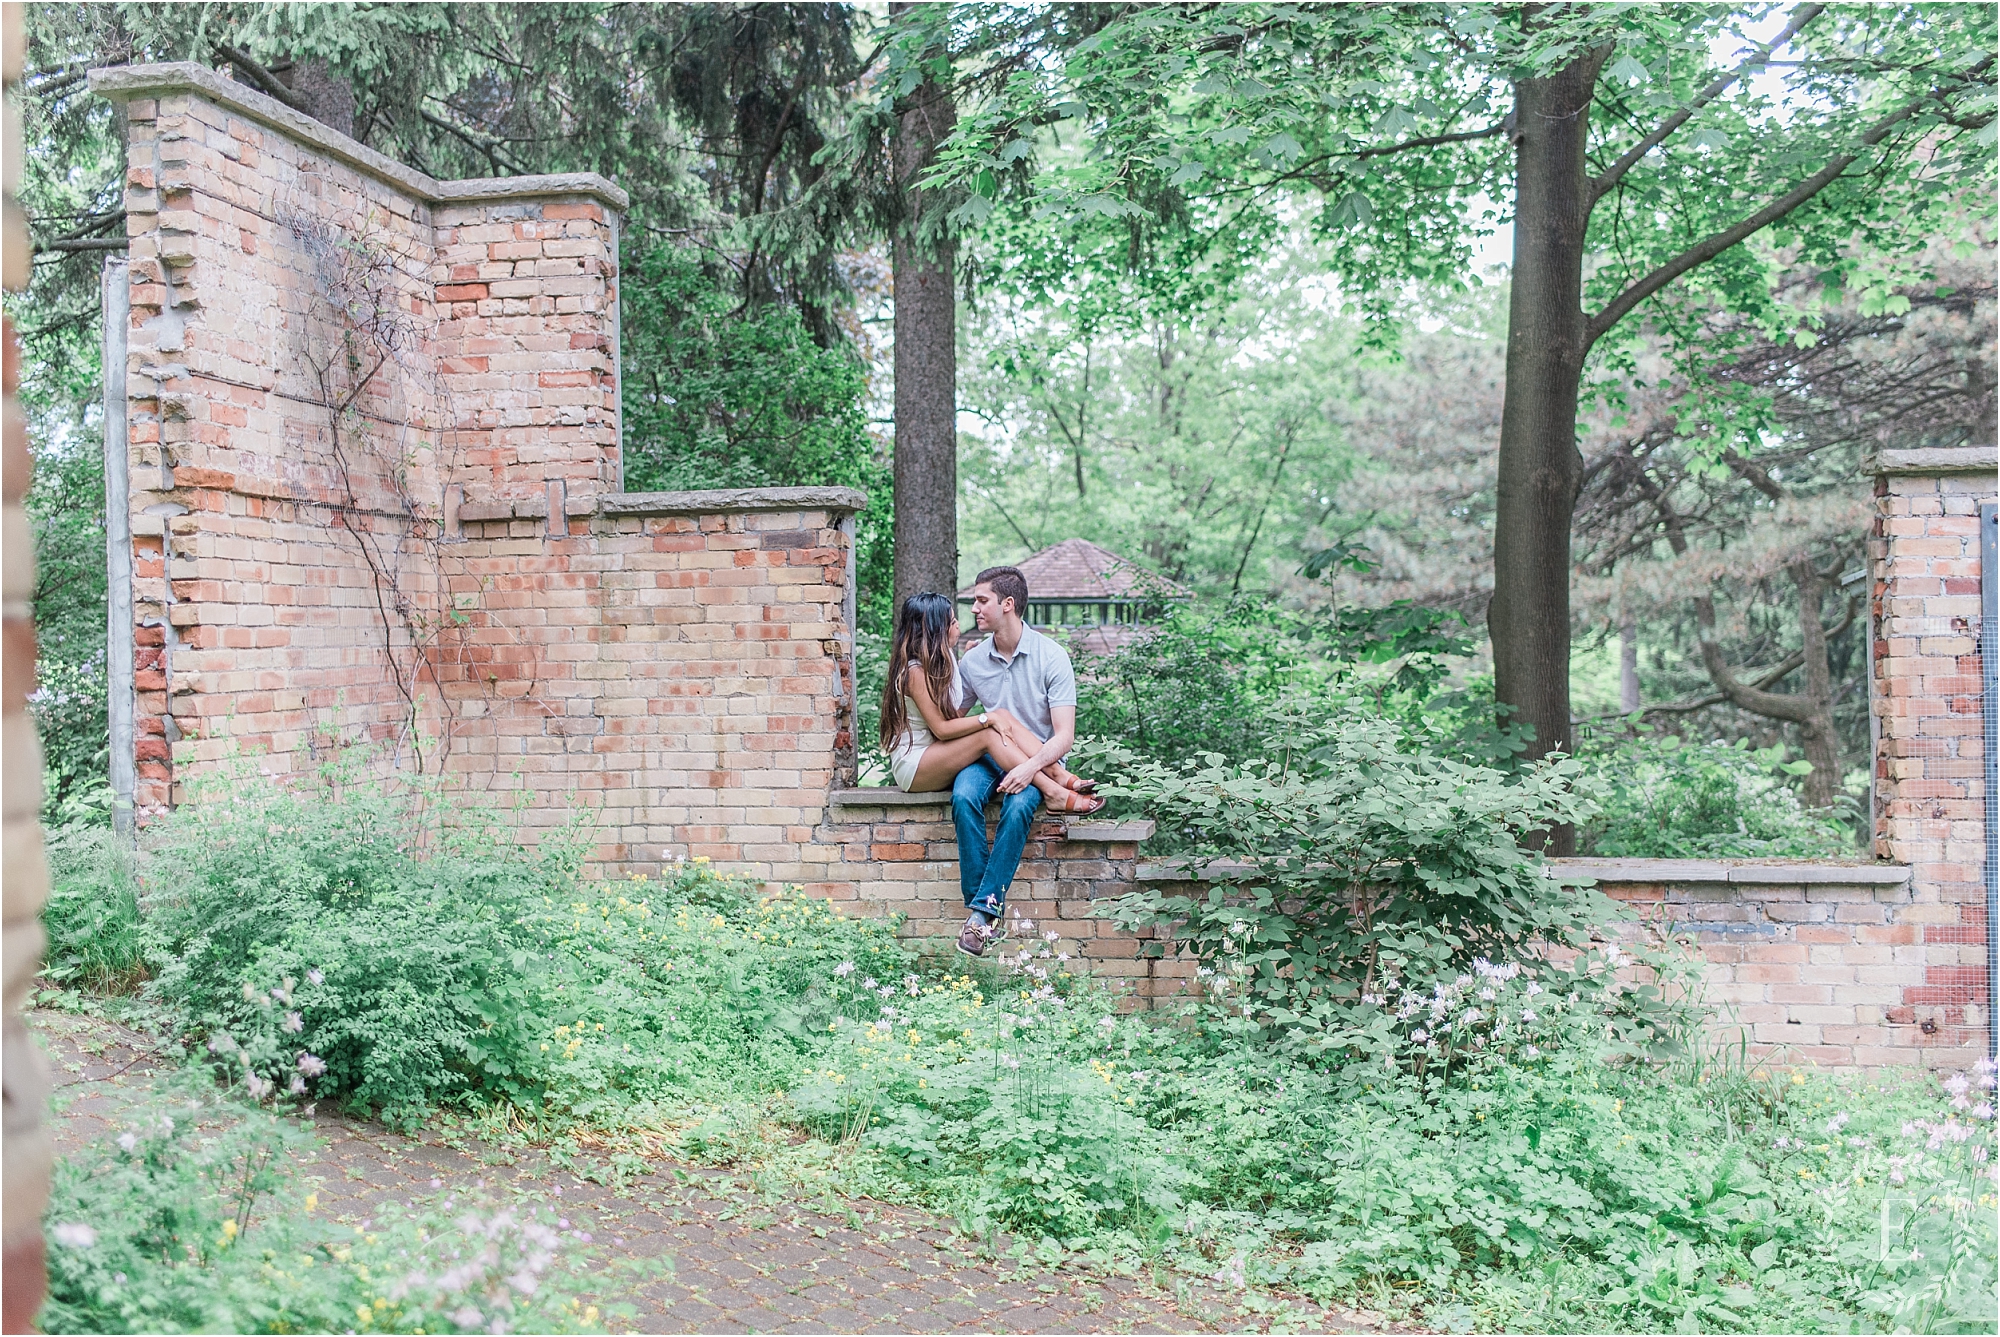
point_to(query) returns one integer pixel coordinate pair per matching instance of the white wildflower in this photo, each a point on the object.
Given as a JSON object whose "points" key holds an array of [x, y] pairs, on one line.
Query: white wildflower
{"points": [[73, 1235], [293, 1023], [128, 1141]]}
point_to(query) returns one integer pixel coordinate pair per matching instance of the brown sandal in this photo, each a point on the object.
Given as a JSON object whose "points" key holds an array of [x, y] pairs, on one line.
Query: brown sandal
{"points": [[1077, 805]]}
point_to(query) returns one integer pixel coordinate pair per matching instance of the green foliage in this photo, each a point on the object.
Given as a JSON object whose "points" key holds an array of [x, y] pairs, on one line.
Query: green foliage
{"points": [[347, 939], [1385, 1091], [1210, 445], [191, 1220], [997, 1097], [400, 921], [96, 942], [1153, 163], [1667, 799], [1224, 680], [1573, 1189], [1345, 858]]}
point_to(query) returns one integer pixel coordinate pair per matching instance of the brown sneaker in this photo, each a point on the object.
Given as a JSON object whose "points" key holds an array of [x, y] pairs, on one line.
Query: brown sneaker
{"points": [[972, 939]]}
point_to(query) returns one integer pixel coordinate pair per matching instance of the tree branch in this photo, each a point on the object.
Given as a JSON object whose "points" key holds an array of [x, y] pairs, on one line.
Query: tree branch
{"points": [[1386, 150], [266, 81], [1804, 15], [1709, 247], [1752, 696], [485, 146], [82, 244]]}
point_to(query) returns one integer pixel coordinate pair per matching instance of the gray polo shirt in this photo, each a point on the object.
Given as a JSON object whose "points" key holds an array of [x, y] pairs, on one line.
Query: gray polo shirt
{"points": [[1037, 678]]}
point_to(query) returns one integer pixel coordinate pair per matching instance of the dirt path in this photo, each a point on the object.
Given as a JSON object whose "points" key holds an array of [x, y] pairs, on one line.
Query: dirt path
{"points": [[740, 1263]]}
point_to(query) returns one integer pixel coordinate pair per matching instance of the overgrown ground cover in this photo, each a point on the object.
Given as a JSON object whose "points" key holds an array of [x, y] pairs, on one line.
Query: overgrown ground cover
{"points": [[1404, 1103]]}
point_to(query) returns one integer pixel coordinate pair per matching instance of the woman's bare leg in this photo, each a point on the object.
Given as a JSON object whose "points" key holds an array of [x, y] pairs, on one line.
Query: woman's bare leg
{"points": [[1027, 744], [943, 760]]}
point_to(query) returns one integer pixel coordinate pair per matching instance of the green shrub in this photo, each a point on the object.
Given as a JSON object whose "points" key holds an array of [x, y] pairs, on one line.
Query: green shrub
{"points": [[1587, 1192], [96, 941], [1004, 1104], [353, 940], [1348, 859], [1672, 800], [353, 923], [689, 984], [192, 1220]]}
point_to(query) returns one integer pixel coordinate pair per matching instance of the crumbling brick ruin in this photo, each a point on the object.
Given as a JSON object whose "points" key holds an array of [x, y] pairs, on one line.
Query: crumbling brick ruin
{"points": [[370, 428]]}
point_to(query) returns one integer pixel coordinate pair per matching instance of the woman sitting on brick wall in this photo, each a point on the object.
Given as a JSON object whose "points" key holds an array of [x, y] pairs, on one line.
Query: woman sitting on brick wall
{"points": [[928, 737]]}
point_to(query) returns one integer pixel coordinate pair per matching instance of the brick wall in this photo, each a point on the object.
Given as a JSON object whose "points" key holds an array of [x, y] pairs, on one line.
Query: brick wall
{"points": [[1806, 963], [898, 853], [677, 662], [1929, 792], [293, 575]]}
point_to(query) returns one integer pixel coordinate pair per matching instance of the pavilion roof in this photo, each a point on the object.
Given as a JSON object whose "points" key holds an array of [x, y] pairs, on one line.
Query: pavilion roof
{"points": [[1079, 571]]}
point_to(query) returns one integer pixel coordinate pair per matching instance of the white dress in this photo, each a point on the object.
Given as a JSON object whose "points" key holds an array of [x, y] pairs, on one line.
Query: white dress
{"points": [[906, 753]]}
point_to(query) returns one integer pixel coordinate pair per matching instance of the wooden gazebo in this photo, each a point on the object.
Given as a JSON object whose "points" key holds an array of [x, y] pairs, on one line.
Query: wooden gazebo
{"points": [[1078, 586]]}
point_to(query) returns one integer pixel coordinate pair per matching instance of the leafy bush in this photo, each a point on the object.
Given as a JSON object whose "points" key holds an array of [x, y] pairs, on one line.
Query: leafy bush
{"points": [[178, 1226], [1583, 1191], [92, 915], [1349, 859], [374, 927], [1667, 799], [358, 941], [999, 1099]]}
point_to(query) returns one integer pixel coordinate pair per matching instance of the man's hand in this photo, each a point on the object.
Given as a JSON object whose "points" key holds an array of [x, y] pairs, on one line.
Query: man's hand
{"points": [[1020, 777]]}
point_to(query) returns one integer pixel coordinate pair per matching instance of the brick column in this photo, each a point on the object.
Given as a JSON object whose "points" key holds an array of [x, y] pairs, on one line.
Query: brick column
{"points": [[26, 1148], [1929, 791]]}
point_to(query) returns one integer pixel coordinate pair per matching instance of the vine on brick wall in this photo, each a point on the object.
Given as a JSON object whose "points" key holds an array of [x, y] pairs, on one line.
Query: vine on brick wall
{"points": [[364, 347], [367, 357]]}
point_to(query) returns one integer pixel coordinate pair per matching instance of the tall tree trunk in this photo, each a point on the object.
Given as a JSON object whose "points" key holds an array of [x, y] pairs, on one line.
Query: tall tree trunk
{"points": [[926, 523], [1540, 467], [1628, 663], [1816, 735]]}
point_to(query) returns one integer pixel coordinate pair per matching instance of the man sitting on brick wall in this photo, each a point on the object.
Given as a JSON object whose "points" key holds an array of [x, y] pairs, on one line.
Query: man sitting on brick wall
{"points": [[1017, 670]]}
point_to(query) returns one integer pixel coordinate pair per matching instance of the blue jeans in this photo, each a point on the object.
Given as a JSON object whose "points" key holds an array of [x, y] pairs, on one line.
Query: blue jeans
{"points": [[984, 874]]}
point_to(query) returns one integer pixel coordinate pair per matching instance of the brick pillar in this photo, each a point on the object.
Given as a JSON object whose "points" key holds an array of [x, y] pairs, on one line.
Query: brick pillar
{"points": [[25, 1150], [1929, 790]]}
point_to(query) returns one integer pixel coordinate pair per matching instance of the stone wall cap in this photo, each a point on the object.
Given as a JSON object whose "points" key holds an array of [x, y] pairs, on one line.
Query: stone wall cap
{"points": [[1755, 873], [122, 83], [1937, 460], [725, 500], [1764, 872]]}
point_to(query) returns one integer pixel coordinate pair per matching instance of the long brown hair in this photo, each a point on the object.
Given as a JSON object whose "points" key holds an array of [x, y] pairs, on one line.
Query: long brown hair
{"points": [[924, 632]]}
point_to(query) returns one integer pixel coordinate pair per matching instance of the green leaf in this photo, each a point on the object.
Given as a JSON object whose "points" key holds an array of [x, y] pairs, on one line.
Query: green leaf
{"points": [[1395, 121], [1629, 69], [1283, 146], [1354, 210]]}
